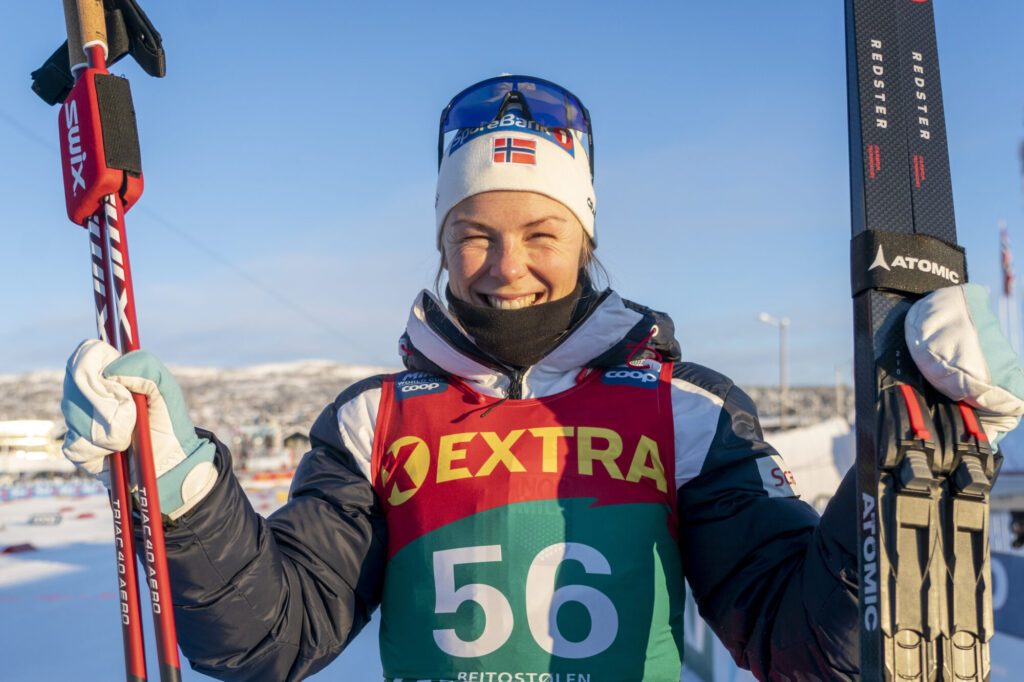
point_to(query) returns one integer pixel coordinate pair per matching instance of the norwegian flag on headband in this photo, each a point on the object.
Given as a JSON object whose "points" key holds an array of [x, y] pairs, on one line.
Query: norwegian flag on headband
{"points": [[515, 150]]}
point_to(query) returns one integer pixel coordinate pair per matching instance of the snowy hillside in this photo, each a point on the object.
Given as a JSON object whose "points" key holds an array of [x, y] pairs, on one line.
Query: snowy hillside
{"points": [[289, 395]]}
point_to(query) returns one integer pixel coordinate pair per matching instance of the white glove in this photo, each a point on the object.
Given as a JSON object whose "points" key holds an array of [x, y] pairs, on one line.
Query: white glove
{"points": [[100, 415], [956, 342]]}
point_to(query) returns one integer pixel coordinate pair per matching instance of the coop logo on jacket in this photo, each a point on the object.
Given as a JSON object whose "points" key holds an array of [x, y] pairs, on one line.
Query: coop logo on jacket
{"points": [[419, 383], [632, 376]]}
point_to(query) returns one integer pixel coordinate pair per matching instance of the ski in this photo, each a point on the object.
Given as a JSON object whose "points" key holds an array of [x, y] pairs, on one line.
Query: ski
{"points": [[924, 467]]}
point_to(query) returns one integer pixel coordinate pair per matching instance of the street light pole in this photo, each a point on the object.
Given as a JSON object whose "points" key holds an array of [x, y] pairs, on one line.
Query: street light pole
{"points": [[783, 326]]}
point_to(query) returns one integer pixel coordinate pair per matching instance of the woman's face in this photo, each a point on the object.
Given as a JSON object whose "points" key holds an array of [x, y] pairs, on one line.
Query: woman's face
{"points": [[512, 249]]}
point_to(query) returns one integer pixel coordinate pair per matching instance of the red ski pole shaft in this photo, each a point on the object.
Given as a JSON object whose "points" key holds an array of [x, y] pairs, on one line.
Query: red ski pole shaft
{"points": [[154, 550], [120, 482], [120, 488]]}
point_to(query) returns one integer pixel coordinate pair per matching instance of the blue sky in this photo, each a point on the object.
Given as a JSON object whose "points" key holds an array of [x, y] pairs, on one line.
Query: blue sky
{"points": [[290, 166]]}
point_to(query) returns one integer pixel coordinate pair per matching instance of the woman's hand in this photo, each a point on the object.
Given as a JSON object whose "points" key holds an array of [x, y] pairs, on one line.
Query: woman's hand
{"points": [[100, 415], [957, 344]]}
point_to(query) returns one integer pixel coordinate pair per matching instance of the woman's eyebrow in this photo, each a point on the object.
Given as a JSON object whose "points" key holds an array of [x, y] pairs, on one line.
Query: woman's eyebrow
{"points": [[534, 223], [466, 222]]}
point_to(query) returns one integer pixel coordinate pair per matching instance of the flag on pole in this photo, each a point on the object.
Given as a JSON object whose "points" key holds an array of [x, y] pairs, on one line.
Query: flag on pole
{"points": [[1007, 261], [1022, 165]]}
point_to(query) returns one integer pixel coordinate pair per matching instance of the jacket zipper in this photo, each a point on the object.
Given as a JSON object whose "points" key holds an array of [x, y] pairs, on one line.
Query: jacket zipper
{"points": [[515, 385]]}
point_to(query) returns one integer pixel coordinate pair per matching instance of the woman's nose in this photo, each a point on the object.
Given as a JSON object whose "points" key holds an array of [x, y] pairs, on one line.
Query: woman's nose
{"points": [[508, 262]]}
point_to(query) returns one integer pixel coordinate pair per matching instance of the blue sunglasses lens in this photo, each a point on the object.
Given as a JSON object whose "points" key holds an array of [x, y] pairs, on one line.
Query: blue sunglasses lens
{"points": [[549, 105]]}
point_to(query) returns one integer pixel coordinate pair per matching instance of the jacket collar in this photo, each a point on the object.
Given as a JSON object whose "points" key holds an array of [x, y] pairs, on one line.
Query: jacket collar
{"points": [[614, 332]]}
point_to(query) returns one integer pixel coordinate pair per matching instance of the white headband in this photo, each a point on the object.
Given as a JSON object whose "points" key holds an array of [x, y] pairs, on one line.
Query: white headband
{"points": [[519, 155]]}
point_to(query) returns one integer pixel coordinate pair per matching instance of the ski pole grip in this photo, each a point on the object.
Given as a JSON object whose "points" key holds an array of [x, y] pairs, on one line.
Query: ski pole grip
{"points": [[87, 27], [76, 55]]}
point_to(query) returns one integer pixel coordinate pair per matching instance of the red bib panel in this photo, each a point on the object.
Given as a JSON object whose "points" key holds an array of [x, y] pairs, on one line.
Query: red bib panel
{"points": [[530, 536]]}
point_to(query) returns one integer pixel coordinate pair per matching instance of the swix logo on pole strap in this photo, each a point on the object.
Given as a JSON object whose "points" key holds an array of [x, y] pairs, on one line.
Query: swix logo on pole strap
{"points": [[98, 107], [74, 144]]}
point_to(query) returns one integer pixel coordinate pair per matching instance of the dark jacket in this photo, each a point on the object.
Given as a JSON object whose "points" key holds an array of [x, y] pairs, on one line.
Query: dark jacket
{"points": [[280, 598]]}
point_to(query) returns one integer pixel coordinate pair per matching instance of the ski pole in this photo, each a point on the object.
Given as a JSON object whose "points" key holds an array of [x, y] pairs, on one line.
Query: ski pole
{"points": [[120, 486], [120, 482], [155, 553], [98, 111]]}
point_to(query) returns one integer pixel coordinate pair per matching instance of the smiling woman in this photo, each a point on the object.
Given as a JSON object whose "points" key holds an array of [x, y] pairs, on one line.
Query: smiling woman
{"points": [[526, 498], [510, 250]]}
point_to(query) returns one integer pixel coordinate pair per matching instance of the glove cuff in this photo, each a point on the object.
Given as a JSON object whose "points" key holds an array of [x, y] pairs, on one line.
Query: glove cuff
{"points": [[186, 484]]}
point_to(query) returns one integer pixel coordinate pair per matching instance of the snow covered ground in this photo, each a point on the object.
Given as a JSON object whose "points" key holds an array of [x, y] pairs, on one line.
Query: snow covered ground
{"points": [[59, 611], [58, 608]]}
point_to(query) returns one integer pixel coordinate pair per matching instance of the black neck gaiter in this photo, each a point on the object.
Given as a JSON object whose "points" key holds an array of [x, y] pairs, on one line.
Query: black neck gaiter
{"points": [[518, 338]]}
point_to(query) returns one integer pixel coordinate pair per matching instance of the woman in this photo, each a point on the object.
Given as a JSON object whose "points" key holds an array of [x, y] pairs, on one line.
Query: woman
{"points": [[528, 496]]}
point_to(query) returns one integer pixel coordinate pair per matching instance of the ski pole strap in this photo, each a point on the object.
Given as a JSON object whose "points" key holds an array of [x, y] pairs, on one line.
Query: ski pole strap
{"points": [[909, 263], [99, 144], [129, 31]]}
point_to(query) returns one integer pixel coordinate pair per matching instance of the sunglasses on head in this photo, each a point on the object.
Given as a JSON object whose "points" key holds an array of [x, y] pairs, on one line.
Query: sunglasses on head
{"points": [[541, 101]]}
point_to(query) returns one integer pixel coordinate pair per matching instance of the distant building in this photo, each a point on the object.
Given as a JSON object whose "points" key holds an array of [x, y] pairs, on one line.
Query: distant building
{"points": [[259, 448], [31, 446], [297, 444]]}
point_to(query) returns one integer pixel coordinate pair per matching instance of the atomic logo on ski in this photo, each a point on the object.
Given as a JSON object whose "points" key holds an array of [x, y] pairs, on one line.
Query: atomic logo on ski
{"points": [[879, 261], [913, 263]]}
